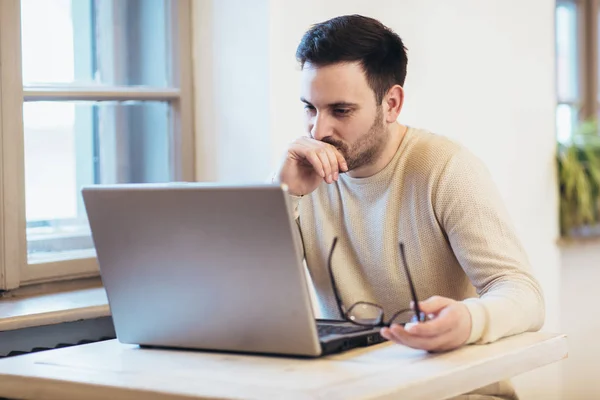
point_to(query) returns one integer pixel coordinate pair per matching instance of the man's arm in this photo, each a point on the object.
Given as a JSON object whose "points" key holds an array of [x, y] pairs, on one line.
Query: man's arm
{"points": [[307, 164], [471, 211], [294, 202]]}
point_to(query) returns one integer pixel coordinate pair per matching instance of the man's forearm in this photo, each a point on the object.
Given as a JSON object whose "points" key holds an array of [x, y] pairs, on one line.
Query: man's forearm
{"points": [[506, 309]]}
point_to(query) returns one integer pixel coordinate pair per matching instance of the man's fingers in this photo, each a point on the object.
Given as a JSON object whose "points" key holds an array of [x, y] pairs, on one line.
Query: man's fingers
{"points": [[315, 161], [322, 153], [340, 160], [448, 330], [333, 162], [443, 323], [434, 304], [389, 335], [395, 334], [434, 343], [325, 158]]}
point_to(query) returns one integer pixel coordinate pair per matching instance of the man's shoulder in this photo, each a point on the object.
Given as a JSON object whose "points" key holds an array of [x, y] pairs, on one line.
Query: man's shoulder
{"points": [[439, 157], [432, 150]]}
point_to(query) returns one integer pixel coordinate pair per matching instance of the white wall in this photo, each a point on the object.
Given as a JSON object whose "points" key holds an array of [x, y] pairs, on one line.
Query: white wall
{"points": [[479, 72], [231, 55]]}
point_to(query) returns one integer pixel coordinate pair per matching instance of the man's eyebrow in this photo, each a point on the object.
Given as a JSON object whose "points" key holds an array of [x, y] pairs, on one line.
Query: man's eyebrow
{"points": [[342, 104], [338, 104]]}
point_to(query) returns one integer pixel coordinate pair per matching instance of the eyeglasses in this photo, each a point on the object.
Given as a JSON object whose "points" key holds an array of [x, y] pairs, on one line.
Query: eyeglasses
{"points": [[370, 314]]}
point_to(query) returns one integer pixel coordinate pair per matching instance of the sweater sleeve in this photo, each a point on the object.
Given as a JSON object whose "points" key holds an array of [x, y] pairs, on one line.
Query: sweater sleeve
{"points": [[469, 208], [294, 202]]}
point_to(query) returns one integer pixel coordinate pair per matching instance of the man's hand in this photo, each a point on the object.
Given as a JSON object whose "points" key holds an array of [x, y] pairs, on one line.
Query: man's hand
{"points": [[448, 329], [309, 162]]}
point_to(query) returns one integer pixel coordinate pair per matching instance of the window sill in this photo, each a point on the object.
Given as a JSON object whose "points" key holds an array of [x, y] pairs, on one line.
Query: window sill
{"points": [[59, 242], [19, 311], [58, 256], [568, 241]]}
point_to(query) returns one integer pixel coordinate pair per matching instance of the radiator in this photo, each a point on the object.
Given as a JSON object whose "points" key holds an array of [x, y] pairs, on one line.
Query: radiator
{"points": [[41, 338]]}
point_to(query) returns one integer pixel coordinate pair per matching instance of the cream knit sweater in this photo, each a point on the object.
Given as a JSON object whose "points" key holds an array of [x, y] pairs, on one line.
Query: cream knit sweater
{"points": [[439, 200]]}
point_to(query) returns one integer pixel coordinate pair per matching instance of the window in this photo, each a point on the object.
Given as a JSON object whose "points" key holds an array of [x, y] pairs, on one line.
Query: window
{"points": [[91, 91], [578, 92]]}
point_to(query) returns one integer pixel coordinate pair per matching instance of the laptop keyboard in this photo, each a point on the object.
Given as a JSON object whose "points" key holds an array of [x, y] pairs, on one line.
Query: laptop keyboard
{"points": [[327, 329]]}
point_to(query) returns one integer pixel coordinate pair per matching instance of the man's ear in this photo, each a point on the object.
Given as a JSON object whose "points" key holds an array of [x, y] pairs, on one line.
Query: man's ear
{"points": [[392, 102]]}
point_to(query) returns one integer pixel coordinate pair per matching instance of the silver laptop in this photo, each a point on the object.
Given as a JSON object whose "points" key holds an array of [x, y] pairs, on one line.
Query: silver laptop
{"points": [[209, 266]]}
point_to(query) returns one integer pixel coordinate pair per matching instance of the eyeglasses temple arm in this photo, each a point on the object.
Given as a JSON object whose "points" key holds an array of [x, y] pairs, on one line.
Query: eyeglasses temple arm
{"points": [[410, 283], [333, 285]]}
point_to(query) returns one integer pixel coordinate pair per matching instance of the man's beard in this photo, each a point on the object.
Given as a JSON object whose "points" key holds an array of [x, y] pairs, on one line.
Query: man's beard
{"points": [[368, 148]]}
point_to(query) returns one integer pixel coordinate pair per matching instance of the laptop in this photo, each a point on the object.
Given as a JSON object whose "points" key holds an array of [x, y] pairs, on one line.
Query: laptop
{"points": [[209, 266]]}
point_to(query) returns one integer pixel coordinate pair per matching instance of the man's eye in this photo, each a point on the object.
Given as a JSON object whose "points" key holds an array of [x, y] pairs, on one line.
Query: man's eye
{"points": [[308, 107], [342, 111]]}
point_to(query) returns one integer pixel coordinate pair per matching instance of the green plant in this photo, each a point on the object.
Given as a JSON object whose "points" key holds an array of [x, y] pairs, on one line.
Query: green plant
{"points": [[579, 179]]}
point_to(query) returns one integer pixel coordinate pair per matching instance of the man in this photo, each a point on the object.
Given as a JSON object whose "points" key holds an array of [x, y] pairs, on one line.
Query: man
{"points": [[373, 183]]}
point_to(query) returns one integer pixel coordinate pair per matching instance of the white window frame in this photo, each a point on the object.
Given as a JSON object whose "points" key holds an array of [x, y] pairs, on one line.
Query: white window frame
{"points": [[15, 270]]}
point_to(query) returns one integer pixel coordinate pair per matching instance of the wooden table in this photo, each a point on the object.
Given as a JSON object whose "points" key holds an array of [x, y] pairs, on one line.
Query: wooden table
{"points": [[111, 370]]}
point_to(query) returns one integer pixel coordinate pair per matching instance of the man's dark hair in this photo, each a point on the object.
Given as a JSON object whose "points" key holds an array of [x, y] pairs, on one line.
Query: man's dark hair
{"points": [[355, 38]]}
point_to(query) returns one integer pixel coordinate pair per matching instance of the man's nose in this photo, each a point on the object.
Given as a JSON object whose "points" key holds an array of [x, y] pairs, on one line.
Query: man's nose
{"points": [[321, 128]]}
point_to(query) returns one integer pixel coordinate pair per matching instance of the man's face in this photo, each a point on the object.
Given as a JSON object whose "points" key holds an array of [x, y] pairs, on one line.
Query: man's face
{"points": [[341, 110]]}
